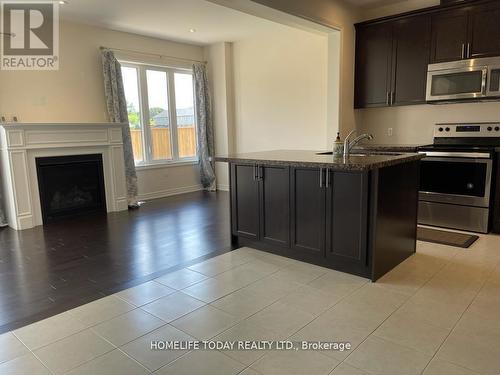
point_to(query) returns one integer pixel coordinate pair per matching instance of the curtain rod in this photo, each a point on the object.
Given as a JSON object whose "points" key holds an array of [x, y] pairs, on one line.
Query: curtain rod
{"points": [[153, 54]]}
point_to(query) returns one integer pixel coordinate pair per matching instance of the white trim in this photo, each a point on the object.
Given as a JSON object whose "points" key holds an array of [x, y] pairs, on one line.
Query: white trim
{"points": [[180, 163], [19, 173], [223, 187], [169, 192], [144, 115]]}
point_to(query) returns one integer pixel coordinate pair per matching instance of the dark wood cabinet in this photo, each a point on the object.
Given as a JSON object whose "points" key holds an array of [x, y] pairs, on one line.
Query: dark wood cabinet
{"points": [[495, 226], [472, 31], [308, 211], [347, 220], [391, 62], [373, 65], [245, 200], [361, 222], [449, 35], [484, 30], [411, 53], [392, 54], [275, 205], [260, 203]]}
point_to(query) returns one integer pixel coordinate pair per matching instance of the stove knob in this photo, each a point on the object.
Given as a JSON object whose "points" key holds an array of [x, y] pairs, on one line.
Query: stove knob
{"points": [[440, 129], [490, 128], [447, 129], [497, 128]]}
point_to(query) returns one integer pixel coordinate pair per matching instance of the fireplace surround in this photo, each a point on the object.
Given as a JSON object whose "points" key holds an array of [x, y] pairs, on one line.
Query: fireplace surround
{"points": [[21, 144]]}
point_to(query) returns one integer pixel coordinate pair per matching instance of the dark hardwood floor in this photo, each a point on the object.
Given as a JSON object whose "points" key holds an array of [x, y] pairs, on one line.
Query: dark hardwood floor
{"points": [[52, 268]]}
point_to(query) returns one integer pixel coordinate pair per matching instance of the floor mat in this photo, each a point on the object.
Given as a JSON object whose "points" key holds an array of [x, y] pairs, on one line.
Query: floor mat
{"points": [[444, 237]]}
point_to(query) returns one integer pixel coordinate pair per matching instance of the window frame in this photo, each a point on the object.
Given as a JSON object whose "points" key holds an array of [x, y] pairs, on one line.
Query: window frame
{"points": [[147, 161]]}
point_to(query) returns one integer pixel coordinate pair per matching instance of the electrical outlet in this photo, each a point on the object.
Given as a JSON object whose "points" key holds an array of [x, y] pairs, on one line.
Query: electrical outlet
{"points": [[389, 132]]}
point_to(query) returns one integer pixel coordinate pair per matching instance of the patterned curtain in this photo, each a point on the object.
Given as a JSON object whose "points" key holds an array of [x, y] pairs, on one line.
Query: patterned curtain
{"points": [[117, 111], [206, 147]]}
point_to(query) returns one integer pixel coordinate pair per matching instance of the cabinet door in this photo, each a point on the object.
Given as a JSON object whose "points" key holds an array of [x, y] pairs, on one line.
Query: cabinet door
{"points": [[373, 65], [411, 50], [449, 35], [245, 201], [484, 30], [275, 205], [307, 211], [347, 221], [496, 204]]}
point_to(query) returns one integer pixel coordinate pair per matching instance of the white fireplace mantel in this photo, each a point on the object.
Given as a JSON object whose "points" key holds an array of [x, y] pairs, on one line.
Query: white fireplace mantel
{"points": [[22, 143]]}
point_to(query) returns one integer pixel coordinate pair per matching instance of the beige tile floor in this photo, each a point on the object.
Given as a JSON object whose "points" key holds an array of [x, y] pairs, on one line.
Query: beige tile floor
{"points": [[438, 313]]}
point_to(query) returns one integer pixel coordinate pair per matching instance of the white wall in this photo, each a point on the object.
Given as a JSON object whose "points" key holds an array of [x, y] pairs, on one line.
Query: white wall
{"points": [[395, 8], [333, 18], [280, 86], [415, 124], [75, 92], [220, 73]]}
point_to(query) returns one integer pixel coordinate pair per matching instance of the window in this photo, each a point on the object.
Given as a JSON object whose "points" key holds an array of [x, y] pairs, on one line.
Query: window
{"points": [[160, 107]]}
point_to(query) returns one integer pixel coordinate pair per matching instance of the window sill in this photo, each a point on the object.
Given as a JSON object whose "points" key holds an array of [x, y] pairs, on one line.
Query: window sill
{"points": [[169, 164]]}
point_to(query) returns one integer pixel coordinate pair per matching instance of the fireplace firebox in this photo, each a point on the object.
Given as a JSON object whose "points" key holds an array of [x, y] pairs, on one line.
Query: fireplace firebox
{"points": [[70, 186]]}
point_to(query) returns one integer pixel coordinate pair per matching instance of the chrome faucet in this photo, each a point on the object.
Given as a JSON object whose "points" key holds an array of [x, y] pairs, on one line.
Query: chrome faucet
{"points": [[348, 145]]}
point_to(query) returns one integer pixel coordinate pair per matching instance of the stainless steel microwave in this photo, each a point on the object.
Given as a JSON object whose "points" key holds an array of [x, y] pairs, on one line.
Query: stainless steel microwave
{"points": [[464, 80]]}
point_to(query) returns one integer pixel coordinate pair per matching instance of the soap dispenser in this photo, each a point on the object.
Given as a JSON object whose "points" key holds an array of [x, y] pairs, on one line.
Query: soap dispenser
{"points": [[338, 146]]}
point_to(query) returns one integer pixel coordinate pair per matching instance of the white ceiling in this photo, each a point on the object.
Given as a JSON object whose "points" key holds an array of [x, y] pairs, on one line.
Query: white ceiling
{"points": [[167, 19]]}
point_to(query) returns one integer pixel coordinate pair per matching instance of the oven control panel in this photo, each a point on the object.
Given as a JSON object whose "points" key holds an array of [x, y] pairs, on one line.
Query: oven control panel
{"points": [[467, 130]]}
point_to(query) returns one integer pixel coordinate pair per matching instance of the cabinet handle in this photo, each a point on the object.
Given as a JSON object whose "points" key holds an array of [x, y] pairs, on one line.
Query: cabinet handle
{"points": [[463, 50], [468, 50], [387, 98], [327, 182], [321, 177]]}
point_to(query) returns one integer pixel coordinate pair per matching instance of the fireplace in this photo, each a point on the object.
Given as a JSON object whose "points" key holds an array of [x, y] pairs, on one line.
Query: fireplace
{"points": [[70, 185]]}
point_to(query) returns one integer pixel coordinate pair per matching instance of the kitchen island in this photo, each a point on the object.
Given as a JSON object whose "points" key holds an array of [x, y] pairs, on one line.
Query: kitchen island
{"points": [[356, 214]]}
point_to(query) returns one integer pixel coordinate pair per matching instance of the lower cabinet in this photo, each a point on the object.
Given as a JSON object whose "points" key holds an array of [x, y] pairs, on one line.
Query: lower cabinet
{"points": [[245, 201], [274, 205], [307, 213], [260, 203], [347, 221]]}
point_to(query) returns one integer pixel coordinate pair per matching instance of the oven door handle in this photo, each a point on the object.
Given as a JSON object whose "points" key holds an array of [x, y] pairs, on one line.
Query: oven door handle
{"points": [[469, 155]]}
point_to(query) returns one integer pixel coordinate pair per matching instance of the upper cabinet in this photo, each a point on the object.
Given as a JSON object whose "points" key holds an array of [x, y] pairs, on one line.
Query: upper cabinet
{"points": [[411, 49], [449, 36], [391, 62], [373, 65], [484, 30], [392, 54], [466, 33]]}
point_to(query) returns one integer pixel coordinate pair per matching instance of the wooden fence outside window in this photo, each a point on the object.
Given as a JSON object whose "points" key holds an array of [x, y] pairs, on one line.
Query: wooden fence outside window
{"points": [[160, 142]]}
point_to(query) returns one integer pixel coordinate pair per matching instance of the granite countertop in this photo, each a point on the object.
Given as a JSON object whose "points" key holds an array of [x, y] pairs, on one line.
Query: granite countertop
{"points": [[388, 147], [296, 158]]}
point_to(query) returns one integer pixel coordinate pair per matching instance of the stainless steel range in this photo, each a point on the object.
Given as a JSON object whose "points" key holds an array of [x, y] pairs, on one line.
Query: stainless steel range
{"points": [[456, 176]]}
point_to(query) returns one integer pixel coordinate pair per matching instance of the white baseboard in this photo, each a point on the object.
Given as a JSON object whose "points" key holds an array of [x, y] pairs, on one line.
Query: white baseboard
{"points": [[169, 192], [223, 187]]}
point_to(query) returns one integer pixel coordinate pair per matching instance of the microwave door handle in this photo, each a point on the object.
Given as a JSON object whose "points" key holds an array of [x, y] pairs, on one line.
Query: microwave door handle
{"points": [[484, 81]]}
